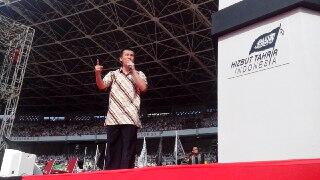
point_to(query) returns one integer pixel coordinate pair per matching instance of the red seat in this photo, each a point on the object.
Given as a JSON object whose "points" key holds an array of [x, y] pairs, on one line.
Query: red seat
{"points": [[48, 168], [70, 167]]}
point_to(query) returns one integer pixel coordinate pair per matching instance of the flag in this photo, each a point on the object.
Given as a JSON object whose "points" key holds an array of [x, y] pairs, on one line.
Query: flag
{"points": [[96, 157], [265, 41], [85, 158], [178, 149], [105, 156], [142, 159], [159, 154]]}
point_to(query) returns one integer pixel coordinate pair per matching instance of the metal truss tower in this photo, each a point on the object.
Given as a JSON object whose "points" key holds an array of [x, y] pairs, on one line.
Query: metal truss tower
{"points": [[15, 46], [172, 40]]}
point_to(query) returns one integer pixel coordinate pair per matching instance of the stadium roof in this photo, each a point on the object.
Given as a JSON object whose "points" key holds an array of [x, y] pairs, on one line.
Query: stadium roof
{"points": [[171, 39]]}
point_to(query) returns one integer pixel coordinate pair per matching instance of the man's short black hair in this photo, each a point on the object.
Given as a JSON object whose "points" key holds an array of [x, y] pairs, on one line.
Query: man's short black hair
{"points": [[121, 52]]}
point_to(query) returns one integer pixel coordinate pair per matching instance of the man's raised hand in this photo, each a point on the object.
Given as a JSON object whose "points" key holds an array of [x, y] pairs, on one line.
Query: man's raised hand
{"points": [[98, 68]]}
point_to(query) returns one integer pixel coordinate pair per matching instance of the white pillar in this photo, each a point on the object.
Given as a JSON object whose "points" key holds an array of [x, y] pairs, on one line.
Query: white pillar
{"points": [[269, 99], [226, 3]]}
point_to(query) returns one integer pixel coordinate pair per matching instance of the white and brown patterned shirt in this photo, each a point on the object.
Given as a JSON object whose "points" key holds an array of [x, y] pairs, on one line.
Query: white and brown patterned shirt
{"points": [[124, 99]]}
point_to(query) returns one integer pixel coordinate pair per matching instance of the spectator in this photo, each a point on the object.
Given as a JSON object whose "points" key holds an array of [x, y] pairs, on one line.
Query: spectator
{"points": [[196, 157]]}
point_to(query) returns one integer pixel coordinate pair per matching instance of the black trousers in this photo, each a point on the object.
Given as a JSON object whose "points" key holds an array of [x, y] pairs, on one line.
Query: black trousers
{"points": [[121, 146]]}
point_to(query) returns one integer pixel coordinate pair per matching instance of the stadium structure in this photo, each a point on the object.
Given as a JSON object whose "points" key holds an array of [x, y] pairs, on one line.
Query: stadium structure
{"points": [[173, 47]]}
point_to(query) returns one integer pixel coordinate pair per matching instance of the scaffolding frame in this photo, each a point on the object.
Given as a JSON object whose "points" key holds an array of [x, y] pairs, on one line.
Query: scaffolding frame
{"points": [[171, 39], [15, 45], [7, 2]]}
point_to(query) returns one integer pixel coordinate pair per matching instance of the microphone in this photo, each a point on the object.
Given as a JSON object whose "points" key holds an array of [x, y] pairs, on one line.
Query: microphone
{"points": [[130, 67]]}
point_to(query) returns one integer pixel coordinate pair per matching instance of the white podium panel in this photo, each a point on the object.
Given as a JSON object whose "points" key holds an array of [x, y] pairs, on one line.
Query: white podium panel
{"points": [[269, 89], [17, 163], [227, 3]]}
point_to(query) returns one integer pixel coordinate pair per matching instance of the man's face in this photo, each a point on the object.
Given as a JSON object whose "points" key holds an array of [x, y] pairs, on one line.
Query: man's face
{"points": [[127, 57], [195, 150]]}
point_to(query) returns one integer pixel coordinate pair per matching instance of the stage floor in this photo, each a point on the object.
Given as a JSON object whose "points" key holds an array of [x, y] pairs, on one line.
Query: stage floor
{"points": [[306, 169]]}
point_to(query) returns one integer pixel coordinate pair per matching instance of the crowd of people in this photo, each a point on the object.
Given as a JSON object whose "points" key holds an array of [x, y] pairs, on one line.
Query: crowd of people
{"points": [[57, 128], [74, 125], [91, 126], [61, 162], [88, 162]]}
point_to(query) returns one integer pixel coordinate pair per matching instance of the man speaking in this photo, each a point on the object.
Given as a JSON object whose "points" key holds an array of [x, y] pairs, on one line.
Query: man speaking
{"points": [[122, 120]]}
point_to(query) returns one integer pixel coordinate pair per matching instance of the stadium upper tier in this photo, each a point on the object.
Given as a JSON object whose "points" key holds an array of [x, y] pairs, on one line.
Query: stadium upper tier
{"points": [[93, 125]]}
